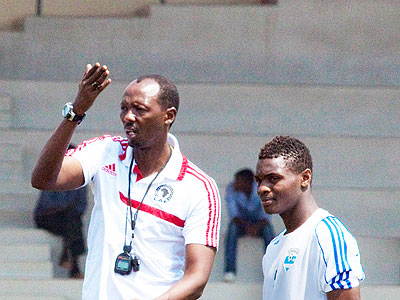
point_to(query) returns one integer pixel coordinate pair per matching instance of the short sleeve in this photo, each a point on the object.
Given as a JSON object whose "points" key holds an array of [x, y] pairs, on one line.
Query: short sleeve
{"points": [[89, 153], [342, 267], [202, 224]]}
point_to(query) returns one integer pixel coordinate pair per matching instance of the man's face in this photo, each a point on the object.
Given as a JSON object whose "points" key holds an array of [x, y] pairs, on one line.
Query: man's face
{"points": [[141, 114], [278, 187]]}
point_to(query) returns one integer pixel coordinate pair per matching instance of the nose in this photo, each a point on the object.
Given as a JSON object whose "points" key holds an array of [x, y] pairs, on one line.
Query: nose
{"points": [[130, 116], [263, 189]]}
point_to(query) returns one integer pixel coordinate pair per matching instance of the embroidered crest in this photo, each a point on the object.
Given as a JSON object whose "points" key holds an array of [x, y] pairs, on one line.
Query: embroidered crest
{"points": [[290, 258], [163, 193]]}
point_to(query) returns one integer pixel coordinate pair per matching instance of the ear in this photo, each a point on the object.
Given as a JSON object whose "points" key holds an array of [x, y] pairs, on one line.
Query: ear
{"points": [[306, 177], [170, 115]]}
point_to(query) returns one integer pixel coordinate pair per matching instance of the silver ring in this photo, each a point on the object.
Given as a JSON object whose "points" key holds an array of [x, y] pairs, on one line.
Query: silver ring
{"points": [[96, 85]]}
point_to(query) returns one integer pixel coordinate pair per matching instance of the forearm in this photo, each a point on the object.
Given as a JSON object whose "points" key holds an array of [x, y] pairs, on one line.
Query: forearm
{"points": [[199, 261], [188, 288], [48, 166], [346, 294]]}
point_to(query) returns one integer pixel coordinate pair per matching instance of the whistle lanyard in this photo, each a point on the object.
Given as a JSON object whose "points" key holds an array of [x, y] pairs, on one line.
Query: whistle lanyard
{"points": [[133, 221]]}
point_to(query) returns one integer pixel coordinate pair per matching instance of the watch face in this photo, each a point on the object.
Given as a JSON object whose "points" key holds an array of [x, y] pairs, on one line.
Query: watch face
{"points": [[66, 110]]}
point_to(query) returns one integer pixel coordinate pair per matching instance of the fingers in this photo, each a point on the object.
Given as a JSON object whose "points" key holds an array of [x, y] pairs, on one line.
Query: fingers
{"points": [[105, 84], [93, 83], [95, 78], [102, 82], [95, 73], [90, 70], [88, 67]]}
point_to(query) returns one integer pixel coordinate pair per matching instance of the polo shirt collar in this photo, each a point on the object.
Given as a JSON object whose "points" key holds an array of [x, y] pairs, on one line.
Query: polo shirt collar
{"points": [[175, 168]]}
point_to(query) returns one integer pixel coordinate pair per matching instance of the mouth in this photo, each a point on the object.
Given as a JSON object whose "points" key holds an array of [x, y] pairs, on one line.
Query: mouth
{"points": [[130, 131], [267, 201]]}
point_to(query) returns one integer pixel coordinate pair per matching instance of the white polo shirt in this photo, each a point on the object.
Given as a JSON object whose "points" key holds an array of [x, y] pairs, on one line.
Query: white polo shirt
{"points": [[318, 257], [181, 207]]}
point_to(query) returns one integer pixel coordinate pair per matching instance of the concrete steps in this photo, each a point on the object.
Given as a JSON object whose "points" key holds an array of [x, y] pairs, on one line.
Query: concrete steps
{"points": [[58, 289], [314, 42], [21, 201], [13, 177], [380, 258], [16, 218], [12, 236], [5, 112], [38, 288], [30, 297], [10, 152], [25, 254], [17, 198], [253, 291], [26, 270]]}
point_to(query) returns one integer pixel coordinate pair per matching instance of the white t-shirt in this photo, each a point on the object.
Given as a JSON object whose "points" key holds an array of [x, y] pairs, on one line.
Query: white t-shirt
{"points": [[318, 257], [181, 207]]}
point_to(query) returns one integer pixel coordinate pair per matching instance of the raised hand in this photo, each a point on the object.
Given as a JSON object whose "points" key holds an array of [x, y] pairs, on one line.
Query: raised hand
{"points": [[93, 83]]}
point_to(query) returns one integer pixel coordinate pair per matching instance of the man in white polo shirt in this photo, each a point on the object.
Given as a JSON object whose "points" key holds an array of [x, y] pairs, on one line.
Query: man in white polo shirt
{"points": [[316, 257], [154, 228]]}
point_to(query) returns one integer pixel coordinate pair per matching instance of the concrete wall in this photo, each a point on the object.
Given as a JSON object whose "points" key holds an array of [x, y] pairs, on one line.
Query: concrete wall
{"points": [[345, 43], [227, 109], [12, 13], [353, 134]]}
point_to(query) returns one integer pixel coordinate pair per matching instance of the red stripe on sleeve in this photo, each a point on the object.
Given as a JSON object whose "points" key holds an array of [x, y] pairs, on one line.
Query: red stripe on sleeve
{"points": [[183, 168], [213, 215]]}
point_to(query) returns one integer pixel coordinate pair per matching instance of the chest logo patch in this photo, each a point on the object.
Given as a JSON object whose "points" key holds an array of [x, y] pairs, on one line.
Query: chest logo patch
{"points": [[163, 193], [110, 169], [290, 259]]}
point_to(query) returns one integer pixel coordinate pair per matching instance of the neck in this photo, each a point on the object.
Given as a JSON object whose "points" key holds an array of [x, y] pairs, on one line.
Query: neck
{"points": [[152, 159], [299, 214]]}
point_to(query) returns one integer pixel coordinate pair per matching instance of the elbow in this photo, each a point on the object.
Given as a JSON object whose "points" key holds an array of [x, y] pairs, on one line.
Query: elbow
{"points": [[36, 184], [39, 183], [198, 292]]}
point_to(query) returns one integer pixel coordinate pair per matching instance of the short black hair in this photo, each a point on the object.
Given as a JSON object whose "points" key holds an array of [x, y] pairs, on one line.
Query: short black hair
{"points": [[246, 174], [294, 151], [168, 95]]}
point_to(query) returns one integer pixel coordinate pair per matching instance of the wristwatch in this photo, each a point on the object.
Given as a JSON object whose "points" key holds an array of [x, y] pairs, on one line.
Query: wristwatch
{"points": [[68, 113]]}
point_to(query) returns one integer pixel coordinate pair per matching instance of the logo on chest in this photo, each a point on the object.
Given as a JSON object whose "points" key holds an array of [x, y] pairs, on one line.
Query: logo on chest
{"points": [[110, 169], [290, 259], [163, 193]]}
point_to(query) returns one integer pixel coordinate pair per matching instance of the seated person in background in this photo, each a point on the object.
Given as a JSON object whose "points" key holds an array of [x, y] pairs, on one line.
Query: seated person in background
{"points": [[60, 213], [247, 217]]}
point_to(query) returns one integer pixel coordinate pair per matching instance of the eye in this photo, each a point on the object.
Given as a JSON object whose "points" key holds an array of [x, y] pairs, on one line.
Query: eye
{"points": [[123, 107], [274, 178], [257, 180], [140, 110]]}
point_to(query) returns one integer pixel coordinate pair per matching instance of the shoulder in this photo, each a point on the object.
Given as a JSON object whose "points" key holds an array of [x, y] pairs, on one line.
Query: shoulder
{"points": [[332, 235], [275, 242], [104, 142], [197, 176], [200, 182]]}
